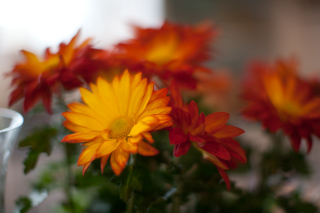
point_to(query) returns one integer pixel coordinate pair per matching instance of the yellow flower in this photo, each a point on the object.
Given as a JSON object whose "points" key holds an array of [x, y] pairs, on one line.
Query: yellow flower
{"points": [[115, 119]]}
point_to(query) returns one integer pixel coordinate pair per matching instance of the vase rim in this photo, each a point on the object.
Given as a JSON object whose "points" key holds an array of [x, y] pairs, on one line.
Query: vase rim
{"points": [[17, 119]]}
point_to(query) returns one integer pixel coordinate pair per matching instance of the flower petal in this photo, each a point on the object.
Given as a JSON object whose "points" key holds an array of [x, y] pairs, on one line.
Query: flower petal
{"points": [[146, 149], [228, 132]]}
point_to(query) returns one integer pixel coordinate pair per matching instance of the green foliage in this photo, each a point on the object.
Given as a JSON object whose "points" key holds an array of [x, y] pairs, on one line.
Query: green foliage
{"points": [[39, 141], [23, 204]]}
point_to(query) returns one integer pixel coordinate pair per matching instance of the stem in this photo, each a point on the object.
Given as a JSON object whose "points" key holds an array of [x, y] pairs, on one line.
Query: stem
{"points": [[130, 202]]}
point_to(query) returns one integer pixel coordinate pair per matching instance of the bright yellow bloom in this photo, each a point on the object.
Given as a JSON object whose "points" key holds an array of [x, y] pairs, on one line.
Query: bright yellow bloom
{"points": [[115, 119]]}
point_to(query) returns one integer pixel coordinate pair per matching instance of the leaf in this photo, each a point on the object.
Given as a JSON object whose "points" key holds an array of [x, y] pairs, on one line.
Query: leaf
{"points": [[39, 141], [35, 198], [23, 204]]}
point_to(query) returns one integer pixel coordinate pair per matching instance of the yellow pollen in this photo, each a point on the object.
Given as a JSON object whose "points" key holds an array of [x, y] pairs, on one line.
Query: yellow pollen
{"points": [[120, 128]]}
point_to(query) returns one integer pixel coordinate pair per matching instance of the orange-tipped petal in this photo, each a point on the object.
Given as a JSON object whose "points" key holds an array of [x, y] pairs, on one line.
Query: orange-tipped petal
{"points": [[146, 149], [103, 162]]}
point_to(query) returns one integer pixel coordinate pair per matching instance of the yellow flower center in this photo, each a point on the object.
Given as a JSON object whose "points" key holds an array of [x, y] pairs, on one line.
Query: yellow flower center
{"points": [[163, 52], [120, 128]]}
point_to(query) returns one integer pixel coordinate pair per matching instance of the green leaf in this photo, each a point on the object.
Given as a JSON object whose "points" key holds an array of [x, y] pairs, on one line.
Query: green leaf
{"points": [[39, 141], [23, 204]]}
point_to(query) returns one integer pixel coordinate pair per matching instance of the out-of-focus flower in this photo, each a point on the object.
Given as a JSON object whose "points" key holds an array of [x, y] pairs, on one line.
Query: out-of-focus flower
{"points": [[37, 78], [209, 134], [280, 99], [115, 119], [169, 52]]}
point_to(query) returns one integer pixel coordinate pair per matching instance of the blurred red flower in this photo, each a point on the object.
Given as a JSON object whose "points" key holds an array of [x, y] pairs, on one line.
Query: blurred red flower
{"points": [[35, 78], [169, 52], [280, 99], [209, 134]]}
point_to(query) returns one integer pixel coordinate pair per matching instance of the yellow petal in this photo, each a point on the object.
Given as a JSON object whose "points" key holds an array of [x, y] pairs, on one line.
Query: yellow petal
{"points": [[75, 128], [107, 147], [109, 99], [117, 169], [136, 97], [124, 93], [146, 149], [88, 154], [94, 103], [146, 98], [81, 137], [84, 121], [121, 157], [84, 109], [130, 147], [103, 162]]}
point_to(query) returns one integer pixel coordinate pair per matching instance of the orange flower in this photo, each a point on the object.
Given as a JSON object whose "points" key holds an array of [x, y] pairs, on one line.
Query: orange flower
{"points": [[209, 134], [36, 78], [280, 99], [170, 52], [115, 118]]}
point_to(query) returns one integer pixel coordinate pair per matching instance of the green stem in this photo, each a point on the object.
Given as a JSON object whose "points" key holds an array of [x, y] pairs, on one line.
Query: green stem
{"points": [[130, 202]]}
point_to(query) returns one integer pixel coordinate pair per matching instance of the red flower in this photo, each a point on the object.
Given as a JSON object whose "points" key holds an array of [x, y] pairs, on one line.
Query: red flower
{"points": [[36, 78], [280, 99], [209, 134], [170, 52]]}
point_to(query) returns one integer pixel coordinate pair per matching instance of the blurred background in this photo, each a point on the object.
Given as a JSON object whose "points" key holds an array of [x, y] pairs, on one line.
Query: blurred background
{"points": [[249, 29]]}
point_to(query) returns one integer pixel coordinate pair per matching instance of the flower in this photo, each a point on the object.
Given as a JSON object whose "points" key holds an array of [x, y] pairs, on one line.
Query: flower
{"points": [[169, 52], [37, 78], [209, 134], [280, 99], [115, 118]]}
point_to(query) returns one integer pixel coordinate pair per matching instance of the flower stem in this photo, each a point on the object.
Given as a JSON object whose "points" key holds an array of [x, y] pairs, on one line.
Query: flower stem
{"points": [[130, 202]]}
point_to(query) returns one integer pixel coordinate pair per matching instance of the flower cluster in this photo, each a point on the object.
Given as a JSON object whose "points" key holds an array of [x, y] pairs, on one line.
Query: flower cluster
{"points": [[279, 98], [118, 115]]}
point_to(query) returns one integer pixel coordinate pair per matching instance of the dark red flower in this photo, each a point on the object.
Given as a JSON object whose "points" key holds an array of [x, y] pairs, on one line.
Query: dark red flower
{"points": [[209, 134], [280, 99]]}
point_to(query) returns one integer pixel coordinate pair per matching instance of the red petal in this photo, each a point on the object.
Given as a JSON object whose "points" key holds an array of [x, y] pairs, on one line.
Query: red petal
{"points": [[228, 132], [177, 136], [295, 142], [217, 150], [225, 177], [216, 121], [181, 149]]}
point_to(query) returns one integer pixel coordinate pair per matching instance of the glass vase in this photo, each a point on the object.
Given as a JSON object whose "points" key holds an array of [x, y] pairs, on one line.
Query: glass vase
{"points": [[10, 125]]}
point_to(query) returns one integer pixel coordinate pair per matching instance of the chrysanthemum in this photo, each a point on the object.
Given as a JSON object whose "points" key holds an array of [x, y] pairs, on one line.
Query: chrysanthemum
{"points": [[170, 52], [115, 118], [280, 99], [209, 134], [37, 78]]}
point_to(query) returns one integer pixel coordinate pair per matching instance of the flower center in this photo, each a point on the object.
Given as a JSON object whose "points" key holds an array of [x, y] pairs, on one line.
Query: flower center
{"points": [[163, 51], [120, 128]]}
